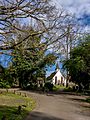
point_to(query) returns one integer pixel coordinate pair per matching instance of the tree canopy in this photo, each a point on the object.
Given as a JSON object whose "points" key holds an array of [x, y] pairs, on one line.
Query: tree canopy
{"points": [[30, 60], [79, 64]]}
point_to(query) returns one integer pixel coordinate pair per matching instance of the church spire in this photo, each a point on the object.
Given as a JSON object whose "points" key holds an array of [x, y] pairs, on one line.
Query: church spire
{"points": [[57, 67]]}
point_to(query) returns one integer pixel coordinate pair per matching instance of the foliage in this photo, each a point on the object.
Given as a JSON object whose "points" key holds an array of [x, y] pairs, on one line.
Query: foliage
{"points": [[79, 64], [68, 89], [58, 87], [48, 86], [4, 84], [5, 78], [88, 100], [29, 61]]}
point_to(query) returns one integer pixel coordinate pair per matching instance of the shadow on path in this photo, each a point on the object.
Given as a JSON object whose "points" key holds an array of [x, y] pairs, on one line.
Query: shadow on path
{"points": [[41, 116]]}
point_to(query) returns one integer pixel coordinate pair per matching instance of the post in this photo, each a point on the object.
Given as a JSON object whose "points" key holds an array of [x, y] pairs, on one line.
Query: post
{"points": [[19, 109]]}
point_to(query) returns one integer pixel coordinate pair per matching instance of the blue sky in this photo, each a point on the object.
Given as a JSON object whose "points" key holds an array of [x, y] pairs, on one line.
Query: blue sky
{"points": [[81, 9], [4, 60]]}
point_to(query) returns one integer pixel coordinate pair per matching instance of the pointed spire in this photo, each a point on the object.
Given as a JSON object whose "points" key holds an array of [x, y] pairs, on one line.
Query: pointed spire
{"points": [[57, 66]]}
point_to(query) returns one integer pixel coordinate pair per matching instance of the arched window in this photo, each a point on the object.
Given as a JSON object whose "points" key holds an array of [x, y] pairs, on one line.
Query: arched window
{"points": [[55, 79], [61, 80]]}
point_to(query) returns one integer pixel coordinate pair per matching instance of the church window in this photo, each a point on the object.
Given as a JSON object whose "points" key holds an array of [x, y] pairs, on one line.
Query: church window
{"points": [[55, 79], [61, 80]]}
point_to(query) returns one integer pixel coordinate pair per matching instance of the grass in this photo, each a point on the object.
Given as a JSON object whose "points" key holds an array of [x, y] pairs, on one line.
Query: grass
{"points": [[58, 87], [62, 88], [68, 89], [9, 103]]}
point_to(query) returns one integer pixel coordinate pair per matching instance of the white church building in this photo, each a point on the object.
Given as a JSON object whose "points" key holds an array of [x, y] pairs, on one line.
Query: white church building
{"points": [[57, 78]]}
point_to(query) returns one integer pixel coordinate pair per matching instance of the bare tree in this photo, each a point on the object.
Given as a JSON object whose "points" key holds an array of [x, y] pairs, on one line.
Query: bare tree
{"points": [[46, 20]]}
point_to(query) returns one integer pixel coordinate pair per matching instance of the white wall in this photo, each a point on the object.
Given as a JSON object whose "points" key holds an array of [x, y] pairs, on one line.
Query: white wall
{"points": [[59, 75]]}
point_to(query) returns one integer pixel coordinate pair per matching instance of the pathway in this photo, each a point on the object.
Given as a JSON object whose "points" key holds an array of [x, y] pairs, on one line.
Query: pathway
{"points": [[59, 107]]}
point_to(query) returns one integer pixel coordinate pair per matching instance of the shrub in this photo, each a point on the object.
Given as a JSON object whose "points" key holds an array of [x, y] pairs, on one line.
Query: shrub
{"points": [[48, 86], [30, 86], [4, 84]]}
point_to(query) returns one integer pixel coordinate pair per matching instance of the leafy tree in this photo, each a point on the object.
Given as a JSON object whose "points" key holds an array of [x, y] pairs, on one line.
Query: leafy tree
{"points": [[79, 64], [29, 59]]}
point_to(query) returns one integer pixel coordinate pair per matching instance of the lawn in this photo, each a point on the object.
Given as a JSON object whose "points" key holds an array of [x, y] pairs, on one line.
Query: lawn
{"points": [[9, 104], [58, 87]]}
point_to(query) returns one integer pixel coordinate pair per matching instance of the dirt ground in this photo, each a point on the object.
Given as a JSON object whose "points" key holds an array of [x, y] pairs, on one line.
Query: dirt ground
{"points": [[59, 107]]}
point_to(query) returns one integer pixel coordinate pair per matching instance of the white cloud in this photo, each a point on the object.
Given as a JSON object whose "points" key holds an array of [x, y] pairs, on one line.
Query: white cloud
{"points": [[87, 29], [74, 6], [77, 7]]}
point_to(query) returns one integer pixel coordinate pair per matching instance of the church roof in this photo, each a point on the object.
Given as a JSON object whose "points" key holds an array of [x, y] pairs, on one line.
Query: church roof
{"points": [[51, 76]]}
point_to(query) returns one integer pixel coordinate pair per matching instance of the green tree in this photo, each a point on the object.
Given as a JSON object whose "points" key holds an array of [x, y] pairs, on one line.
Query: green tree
{"points": [[30, 59], [6, 80], [79, 64]]}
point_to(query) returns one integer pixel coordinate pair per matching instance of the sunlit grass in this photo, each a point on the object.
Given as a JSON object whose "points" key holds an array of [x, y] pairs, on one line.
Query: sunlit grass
{"points": [[58, 87], [9, 106]]}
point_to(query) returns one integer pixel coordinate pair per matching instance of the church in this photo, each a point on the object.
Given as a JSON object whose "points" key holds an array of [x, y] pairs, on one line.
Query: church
{"points": [[57, 78]]}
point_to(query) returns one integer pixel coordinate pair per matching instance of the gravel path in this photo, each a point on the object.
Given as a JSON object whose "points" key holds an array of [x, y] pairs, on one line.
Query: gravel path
{"points": [[59, 107]]}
